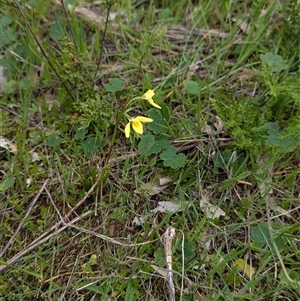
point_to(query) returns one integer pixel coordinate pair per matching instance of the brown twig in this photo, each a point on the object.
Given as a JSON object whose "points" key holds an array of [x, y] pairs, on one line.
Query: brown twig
{"points": [[167, 242]]}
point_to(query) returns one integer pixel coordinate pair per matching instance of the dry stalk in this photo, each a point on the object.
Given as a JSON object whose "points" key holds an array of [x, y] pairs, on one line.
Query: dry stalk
{"points": [[167, 239], [60, 226], [24, 218]]}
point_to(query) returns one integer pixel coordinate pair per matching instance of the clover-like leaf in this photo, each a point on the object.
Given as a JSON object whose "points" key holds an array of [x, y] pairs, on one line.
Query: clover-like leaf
{"points": [[53, 141], [90, 145], [57, 30], [158, 125], [149, 145], [115, 85], [172, 159], [146, 144], [260, 236], [285, 144], [9, 181], [275, 62], [192, 87]]}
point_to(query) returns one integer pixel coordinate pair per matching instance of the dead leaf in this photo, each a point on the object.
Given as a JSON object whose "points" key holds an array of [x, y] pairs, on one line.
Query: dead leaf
{"points": [[35, 157], [154, 188], [213, 130], [167, 207], [244, 75], [162, 207], [5, 143], [211, 211]]}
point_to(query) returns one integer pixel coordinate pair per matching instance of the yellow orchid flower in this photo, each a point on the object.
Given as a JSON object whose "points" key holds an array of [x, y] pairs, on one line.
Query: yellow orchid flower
{"points": [[137, 125], [148, 96]]}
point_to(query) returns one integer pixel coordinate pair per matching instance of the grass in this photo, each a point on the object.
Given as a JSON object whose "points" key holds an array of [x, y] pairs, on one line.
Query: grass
{"points": [[79, 217]]}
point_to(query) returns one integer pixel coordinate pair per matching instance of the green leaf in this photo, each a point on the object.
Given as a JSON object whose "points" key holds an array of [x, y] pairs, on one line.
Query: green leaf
{"points": [[189, 250], [159, 256], [10, 87], [9, 181], [149, 145], [94, 288], [260, 236], [282, 144], [90, 145], [115, 85], [57, 30], [221, 160], [172, 159], [165, 112], [165, 15], [158, 125], [53, 141], [80, 133], [275, 62], [131, 291], [7, 36], [146, 144], [192, 87], [5, 21]]}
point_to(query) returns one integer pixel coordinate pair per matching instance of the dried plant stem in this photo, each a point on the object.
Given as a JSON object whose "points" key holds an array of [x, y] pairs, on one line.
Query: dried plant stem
{"points": [[167, 242], [24, 218]]}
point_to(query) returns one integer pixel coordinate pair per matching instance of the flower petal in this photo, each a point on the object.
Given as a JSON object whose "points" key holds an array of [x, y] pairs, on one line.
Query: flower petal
{"points": [[127, 130], [137, 126], [143, 119], [148, 96], [152, 103]]}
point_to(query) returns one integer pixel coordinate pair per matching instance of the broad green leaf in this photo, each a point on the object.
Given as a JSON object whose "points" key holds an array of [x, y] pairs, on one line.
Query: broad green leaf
{"points": [[165, 15], [192, 87], [261, 236], [53, 141], [274, 139], [189, 250], [158, 125], [9, 181], [10, 87], [165, 112], [80, 133], [149, 145], [172, 159], [5, 21], [7, 36], [275, 62], [90, 145], [146, 144], [57, 30], [131, 291], [115, 85], [159, 256]]}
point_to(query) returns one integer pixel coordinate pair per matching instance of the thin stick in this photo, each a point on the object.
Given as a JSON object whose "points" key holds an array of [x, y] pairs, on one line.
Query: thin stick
{"points": [[23, 220], [38, 242], [69, 24], [167, 242], [42, 49], [61, 226], [109, 6]]}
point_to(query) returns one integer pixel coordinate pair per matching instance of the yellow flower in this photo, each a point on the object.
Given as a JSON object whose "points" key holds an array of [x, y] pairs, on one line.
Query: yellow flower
{"points": [[148, 96], [137, 125]]}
